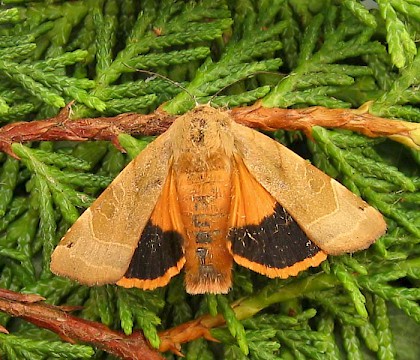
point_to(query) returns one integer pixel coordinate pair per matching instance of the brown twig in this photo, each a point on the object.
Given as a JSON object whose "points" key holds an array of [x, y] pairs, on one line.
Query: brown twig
{"points": [[102, 128], [256, 116], [71, 328], [359, 120], [171, 339]]}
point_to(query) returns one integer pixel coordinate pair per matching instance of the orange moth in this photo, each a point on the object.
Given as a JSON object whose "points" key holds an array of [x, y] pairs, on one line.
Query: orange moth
{"points": [[204, 194]]}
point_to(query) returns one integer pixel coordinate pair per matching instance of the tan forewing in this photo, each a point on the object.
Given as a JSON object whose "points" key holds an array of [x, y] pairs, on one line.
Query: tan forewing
{"points": [[332, 216], [99, 246]]}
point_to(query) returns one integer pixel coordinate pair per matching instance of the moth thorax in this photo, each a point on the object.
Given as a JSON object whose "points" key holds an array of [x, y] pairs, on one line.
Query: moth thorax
{"points": [[205, 133], [202, 162]]}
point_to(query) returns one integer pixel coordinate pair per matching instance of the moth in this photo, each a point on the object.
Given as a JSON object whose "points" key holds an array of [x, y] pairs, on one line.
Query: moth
{"points": [[205, 194]]}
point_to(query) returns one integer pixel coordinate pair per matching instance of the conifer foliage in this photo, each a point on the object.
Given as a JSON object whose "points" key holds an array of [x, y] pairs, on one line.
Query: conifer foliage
{"points": [[104, 55]]}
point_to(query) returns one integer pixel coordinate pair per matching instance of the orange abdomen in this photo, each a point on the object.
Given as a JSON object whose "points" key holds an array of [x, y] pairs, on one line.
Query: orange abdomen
{"points": [[204, 201]]}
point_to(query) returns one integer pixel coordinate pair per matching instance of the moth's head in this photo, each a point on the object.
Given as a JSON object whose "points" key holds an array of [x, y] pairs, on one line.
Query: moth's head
{"points": [[204, 129]]}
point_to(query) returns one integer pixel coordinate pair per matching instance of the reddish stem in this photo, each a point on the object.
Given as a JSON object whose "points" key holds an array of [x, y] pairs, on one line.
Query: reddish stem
{"points": [[71, 328]]}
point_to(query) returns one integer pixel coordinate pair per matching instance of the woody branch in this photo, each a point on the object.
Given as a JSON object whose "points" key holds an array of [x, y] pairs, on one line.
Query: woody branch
{"points": [[358, 120], [108, 128], [60, 128], [72, 328]]}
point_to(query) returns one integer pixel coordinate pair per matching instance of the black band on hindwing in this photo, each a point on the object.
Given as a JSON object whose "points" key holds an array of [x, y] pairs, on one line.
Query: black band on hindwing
{"points": [[157, 252], [277, 242]]}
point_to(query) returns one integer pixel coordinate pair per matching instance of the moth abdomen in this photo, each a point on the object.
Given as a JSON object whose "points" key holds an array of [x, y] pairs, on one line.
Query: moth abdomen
{"points": [[204, 209], [206, 236]]}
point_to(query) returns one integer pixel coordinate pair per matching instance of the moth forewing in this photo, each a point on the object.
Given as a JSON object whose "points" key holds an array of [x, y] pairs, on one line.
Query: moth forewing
{"points": [[331, 216], [99, 246]]}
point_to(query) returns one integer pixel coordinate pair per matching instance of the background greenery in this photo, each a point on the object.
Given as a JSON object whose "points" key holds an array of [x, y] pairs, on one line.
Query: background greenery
{"points": [[289, 53]]}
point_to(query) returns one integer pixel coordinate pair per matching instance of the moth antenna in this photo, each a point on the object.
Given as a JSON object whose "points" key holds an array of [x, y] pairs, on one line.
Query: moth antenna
{"points": [[155, 74], [243, 78]]}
